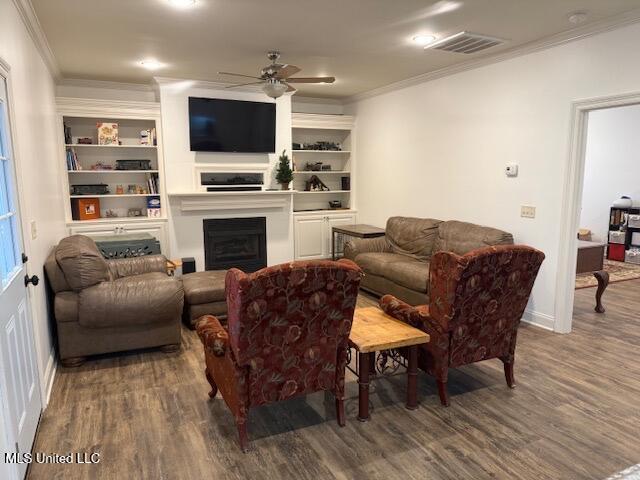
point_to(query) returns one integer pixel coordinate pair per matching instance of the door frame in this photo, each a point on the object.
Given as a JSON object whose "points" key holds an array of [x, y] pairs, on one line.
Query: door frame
{"points": [[572, 201], [5, 72]]}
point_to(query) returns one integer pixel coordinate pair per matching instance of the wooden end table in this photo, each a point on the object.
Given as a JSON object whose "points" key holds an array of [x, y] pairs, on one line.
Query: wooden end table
{"points": [[360, 230], [591, 259], [373, 331]]}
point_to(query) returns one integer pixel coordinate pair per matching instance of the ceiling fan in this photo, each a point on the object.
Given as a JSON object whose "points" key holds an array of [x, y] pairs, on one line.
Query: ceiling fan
{"points": [[276, 77]]}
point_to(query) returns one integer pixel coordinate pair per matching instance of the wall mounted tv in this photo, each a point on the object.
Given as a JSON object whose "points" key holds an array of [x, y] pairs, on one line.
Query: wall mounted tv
{"points": [[217, 125]]}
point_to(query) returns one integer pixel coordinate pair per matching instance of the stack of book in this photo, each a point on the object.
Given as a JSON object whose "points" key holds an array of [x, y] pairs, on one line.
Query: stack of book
{"points": [[152, 183], [72, 160]]}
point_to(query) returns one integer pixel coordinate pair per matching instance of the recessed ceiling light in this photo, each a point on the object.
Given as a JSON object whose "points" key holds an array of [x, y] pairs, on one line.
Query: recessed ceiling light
{"points": [[182, 3], [577, 17], [151, 64], [423, 40]]}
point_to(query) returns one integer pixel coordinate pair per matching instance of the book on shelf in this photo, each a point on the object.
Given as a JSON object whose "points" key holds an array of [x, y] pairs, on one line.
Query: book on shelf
{"points": [[152, 184], [72, 160]]}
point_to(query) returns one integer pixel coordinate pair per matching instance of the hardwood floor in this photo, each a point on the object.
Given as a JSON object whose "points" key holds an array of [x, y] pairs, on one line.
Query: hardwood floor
{"points": [[574, 414]]}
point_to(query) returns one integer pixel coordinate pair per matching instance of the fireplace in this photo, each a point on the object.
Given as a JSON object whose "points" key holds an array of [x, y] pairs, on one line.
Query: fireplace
{"points": [[235, 243]]}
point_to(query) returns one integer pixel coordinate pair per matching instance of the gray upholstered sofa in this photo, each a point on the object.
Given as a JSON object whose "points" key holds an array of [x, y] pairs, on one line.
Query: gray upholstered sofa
{"points": [[398, 263], [106, 306]]}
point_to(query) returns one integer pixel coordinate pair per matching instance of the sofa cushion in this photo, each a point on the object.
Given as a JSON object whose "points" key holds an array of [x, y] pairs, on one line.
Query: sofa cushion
{"points": [[462, 237], [204, 287], [410, 236], [138, 300], [81, 262], [413, 274], [378, 263]]}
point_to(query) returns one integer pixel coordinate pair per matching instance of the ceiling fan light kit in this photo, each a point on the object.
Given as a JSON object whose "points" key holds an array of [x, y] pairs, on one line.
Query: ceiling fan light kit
{"points": [[276, 77]]}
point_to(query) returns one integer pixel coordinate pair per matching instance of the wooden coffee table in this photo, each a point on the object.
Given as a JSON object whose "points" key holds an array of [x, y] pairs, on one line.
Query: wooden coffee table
{"points": [[373, 331]]}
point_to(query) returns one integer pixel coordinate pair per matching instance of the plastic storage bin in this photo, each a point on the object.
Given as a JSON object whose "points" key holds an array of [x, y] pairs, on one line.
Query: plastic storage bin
{"points": [[616, 252], [617, 237]]}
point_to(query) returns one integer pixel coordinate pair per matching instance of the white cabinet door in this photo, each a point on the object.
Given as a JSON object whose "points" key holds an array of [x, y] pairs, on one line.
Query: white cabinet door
{"points": [[336, 221], [310, 241]]}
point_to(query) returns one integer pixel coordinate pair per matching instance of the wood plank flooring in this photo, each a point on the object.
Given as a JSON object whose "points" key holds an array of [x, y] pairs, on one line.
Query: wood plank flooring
{"points": [[575, 414]]}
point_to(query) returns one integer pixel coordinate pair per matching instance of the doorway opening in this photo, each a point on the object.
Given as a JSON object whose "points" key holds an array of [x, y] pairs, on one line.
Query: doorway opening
{"points": [[602, 168]]}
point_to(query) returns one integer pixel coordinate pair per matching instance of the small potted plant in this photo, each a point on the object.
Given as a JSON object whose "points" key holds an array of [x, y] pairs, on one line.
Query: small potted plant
{"points": [[284, 174]]}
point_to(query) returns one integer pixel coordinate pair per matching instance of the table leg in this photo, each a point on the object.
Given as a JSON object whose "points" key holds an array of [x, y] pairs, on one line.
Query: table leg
{"points": [[412, 378], [363, 386], [603, 283]]}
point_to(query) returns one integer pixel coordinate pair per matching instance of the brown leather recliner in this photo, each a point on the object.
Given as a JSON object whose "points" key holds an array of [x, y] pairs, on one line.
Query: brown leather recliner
{"points": [[104, 306]]}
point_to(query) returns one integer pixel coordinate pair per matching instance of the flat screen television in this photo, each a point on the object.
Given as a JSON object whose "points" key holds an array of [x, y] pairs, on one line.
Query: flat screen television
{"points": [[217, 125]]}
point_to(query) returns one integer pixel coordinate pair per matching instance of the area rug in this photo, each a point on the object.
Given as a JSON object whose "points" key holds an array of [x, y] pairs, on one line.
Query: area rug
{"points": [[631, 473], [618, 272]]}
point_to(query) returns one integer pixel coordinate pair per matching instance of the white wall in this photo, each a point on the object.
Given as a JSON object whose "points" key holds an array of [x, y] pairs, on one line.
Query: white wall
{"points": [[439, 149], [36, 152], [185, 229], [612, 165]]}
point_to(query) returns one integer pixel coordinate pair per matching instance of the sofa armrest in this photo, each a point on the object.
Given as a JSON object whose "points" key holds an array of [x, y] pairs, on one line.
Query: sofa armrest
{"points": [[356, 246], [417, 317], [213, 335], [127, 267], [149, 298]]}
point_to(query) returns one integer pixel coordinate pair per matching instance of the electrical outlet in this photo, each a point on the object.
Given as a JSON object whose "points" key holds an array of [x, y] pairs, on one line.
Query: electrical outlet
{"points": [[527, 211], [34, 230], [511, 170]]}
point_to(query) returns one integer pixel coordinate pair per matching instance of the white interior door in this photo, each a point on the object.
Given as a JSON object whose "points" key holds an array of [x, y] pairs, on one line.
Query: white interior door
{"points": [[19, 389]]}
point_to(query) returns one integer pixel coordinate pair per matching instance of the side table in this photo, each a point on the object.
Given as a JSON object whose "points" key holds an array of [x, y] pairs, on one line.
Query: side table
{"points": [[373, 331], [358, 230]]}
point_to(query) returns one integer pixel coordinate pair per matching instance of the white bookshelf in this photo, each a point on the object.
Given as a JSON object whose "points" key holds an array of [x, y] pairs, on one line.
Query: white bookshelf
{"points": [[81, 115], [311, 128]]}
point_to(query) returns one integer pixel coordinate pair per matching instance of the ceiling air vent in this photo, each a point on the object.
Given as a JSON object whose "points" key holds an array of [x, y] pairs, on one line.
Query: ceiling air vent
{"points": [[466, 42]]}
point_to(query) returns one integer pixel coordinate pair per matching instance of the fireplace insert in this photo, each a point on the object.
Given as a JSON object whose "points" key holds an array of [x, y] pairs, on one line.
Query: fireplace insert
{"points": [[235, 243]]}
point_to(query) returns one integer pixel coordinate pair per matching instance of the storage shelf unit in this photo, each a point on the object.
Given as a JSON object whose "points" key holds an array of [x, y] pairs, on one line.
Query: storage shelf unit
{"points": [[311, 128], [313, 218], [621, 240], [81, 115]]}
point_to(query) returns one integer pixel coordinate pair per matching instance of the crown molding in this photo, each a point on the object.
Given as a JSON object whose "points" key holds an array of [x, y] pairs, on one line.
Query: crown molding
{"points": [[32, 24], [90, 107], [106, 84], [562, 38]]}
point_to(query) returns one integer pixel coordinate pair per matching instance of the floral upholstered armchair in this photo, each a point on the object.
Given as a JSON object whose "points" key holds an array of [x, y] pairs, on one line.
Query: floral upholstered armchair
{"points": [[287, 335], [475, 306]]}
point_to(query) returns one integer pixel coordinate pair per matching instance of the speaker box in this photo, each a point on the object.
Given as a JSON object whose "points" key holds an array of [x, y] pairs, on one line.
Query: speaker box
{"points": [[346, 183], [188, 265]]}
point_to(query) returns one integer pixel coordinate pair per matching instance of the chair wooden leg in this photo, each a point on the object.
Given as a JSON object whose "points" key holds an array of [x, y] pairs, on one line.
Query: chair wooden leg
{"points": [[340, 412], [214, 387], [508, 374], [442, 391], [242, 436]]}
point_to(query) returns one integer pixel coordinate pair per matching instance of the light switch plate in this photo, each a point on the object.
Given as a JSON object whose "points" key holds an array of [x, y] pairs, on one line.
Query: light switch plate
{"points": [[34, 230], [527, 211]]}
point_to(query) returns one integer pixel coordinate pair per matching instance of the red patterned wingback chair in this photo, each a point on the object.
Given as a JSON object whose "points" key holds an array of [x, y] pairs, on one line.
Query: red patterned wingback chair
{"points": [[475, 306], [287, 335]]}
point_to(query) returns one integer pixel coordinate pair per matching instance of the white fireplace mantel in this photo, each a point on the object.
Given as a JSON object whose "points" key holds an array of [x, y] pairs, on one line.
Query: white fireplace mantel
{"points": [[251, 200]]}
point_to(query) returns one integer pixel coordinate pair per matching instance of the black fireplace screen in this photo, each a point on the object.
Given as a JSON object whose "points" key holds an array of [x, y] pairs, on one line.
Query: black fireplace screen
{"points": [[235, 243]]}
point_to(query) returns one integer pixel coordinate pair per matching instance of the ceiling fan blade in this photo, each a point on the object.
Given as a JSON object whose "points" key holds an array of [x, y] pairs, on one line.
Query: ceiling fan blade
{"points": [[289, 87], [238, 75], [311, 80], [244, 84], [286, 71]]}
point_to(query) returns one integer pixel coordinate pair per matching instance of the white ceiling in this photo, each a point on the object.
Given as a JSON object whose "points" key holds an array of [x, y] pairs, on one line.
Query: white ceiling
{"points": [[365, 44]]}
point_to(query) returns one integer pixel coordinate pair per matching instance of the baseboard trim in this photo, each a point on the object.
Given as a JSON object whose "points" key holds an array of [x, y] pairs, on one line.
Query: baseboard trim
{"points": [[49, 377], [539, 319]]}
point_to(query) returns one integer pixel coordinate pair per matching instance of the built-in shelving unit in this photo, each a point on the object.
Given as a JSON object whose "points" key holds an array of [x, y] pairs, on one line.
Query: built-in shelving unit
{"points": [[307, 129], [313, 218], [96, 164]]}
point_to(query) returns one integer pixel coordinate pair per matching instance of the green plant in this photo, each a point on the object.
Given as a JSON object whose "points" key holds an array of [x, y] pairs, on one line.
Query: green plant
{"points": [[284, 174]]}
